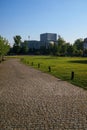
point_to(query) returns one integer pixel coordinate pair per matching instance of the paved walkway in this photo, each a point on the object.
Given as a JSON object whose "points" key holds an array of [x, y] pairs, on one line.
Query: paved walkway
{"points": [[32, 100]]}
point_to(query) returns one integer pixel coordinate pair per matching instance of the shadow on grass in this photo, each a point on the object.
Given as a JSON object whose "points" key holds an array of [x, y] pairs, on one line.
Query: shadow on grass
{"points": [[79, 61]]}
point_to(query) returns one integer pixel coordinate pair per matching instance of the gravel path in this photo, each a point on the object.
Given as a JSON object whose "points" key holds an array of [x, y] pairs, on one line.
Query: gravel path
{"points": [[32, 100]]}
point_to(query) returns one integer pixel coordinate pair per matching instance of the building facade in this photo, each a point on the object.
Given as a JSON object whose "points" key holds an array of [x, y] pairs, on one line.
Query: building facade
{"points": [[45, 37], [85, 43], [45, 40], [32, 44], [85, 47]]}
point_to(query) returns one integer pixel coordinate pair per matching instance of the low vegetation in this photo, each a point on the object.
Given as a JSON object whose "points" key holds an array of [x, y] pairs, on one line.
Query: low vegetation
{"points": [[61, 67]]}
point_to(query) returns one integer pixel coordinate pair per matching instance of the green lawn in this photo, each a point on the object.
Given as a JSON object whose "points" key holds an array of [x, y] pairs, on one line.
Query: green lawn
{"points": [[61, 67]]}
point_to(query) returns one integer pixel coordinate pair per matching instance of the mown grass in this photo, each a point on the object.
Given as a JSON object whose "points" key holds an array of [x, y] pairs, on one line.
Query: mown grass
{"points": [[61, 67]]}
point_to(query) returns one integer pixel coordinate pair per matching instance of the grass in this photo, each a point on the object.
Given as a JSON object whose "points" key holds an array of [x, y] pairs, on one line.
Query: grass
{"points": [[61, 67]]}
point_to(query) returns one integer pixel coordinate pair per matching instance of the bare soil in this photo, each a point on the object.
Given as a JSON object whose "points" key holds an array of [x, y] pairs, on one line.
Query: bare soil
{"points": [[33, 100]]}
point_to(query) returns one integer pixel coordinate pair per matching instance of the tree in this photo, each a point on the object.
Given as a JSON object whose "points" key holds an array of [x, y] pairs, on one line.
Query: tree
{"points": [[60, 40], [78, 47], [50, 49], [64, 50], [61, 45], [24, 48], [70, 50], [16, 46], [78, 44], [17, 40], [4, 47], [55, 49]]}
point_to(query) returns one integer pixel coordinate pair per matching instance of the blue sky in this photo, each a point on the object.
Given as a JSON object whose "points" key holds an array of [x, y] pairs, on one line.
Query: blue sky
{"points": [[67, 18]]}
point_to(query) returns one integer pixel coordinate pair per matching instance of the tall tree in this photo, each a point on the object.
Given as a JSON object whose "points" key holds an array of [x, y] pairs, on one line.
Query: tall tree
{"points": [[4, 47], [55, 49], [17, 40], [78, 44], [61, 41], [24, 48], [61, 45], [16, 46], [70, 50]]}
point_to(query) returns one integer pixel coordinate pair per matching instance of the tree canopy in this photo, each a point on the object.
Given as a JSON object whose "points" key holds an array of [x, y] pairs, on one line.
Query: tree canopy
{"points": [[17, 43], [59, 48], [4, 47]]}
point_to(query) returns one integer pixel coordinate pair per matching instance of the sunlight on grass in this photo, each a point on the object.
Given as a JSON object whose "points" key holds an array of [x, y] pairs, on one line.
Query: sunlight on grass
{"points": [[61, 67]]}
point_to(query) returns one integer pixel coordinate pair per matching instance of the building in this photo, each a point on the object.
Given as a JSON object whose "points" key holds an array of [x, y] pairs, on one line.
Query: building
{"points": [[85, 43], [45, 40], [85, 47], [48, 37], [32, 44]]}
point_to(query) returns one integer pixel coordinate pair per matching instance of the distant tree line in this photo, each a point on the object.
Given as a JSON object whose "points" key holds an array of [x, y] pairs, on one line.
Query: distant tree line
{"points": [[4, 48], [60, 48]]}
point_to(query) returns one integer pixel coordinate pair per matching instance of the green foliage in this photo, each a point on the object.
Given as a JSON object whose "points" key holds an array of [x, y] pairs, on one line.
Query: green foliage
{"points": [[16, 46], [16, 49], [60, 48], [62, 67], [70, 50], [55, 49], [78, 44], [4, 47], [17, 40], [24, 48], [61, 41]]}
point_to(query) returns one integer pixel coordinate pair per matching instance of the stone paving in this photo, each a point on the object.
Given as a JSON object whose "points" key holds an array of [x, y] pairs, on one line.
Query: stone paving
{"points": [[32, 100]]}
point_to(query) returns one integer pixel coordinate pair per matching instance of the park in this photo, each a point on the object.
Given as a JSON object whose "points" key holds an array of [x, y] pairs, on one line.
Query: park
{"points": [[33, 99], [61, 67]]}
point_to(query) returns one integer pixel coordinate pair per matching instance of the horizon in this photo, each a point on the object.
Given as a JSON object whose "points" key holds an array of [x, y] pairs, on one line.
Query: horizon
{"points": [[32, 18]]}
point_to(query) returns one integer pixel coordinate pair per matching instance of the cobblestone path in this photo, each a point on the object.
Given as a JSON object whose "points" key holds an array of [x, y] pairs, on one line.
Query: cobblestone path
{"points": [[32, 100]]}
